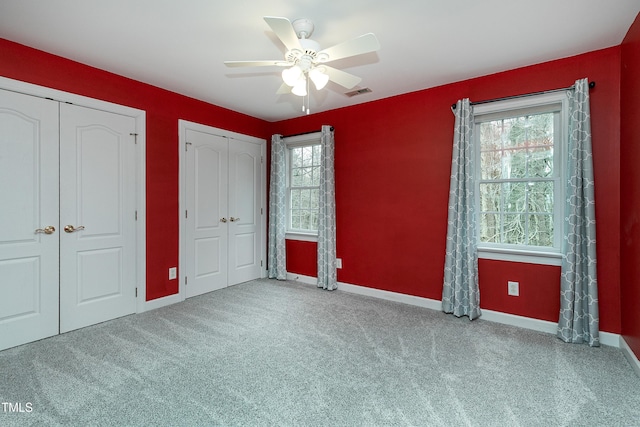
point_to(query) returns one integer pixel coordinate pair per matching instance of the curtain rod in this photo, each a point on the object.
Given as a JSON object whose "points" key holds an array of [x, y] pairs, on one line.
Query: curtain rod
{"points": [[305, 133], [591, 86]]}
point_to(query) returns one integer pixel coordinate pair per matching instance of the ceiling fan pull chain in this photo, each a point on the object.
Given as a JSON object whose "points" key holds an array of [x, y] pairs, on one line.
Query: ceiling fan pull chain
{"points": [[308, 96]]}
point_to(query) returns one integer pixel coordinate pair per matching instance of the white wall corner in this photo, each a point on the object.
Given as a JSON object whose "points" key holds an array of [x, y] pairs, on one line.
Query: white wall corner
{"points": [[630, 355]]}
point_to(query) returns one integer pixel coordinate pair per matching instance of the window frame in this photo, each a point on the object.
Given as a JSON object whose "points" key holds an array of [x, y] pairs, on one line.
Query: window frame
{"points": [[556, 102], [291, 142]]}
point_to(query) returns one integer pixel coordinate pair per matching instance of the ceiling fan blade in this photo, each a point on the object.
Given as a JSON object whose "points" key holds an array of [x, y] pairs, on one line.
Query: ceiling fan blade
{"points": [[274, 63], [284, 88], [340, 77], [284, 30], [364, 44]]}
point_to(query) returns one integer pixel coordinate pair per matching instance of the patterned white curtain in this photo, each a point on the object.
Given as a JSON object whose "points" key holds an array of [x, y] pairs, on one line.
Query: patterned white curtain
{"points": [[327, 274], [460, 293], [579, 318], [277, 260]]}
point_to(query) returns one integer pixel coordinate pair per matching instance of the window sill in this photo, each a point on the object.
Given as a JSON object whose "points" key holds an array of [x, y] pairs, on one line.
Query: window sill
{"points": [[304, 237], [518, 255]]}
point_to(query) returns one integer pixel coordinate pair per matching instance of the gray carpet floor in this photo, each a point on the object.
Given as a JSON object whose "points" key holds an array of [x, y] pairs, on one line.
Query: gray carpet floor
{"points": [[270, 353]]}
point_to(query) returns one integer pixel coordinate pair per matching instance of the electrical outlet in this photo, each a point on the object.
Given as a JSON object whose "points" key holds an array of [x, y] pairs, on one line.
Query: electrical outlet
{"points": [[338, 262], [513, 288], [173, 273]]}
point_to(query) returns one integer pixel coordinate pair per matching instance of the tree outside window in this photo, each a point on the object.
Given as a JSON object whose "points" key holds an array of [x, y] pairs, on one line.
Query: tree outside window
{"points": [[518, 181], [304, 183]]}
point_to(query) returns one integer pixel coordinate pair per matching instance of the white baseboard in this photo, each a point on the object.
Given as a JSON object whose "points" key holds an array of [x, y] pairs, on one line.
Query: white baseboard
{"points": [[302, 279], [606, 338], [610, 339], [630, 355], [391, 296], [162, 302], [519, 321]]}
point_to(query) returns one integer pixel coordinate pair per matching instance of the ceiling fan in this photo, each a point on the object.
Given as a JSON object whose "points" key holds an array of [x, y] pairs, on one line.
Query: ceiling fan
{"points": [[304, 60]]}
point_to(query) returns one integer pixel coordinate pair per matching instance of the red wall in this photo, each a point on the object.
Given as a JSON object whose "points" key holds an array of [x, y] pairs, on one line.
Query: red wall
{"points": [[392, 171], [630, 187], [163, 109], [393, 160]]}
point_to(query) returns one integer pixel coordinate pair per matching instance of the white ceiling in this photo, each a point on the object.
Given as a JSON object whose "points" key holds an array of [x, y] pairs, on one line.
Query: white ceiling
{"points": [[181, 45]]}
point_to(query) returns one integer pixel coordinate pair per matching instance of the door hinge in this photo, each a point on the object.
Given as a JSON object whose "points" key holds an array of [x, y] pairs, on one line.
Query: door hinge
{"points": [[136, 292], [135, 137], [261, 211], [261, 159], [185, 280], [260, 263], [136, 215], [186, 145], [186, 214]]}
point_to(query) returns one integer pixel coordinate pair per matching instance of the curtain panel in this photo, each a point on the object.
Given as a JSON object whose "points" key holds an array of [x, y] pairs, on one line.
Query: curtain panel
{"points": [[327, 273], [460, 293], [579, 316], [277, 259]]}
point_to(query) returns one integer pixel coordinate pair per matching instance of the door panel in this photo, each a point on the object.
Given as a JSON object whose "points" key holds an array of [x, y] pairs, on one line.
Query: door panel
{"points": [[97, 199], [29, 194], [206, 224], [244, 206]]}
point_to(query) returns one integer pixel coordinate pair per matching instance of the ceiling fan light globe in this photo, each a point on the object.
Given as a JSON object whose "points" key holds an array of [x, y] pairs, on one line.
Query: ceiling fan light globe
{"points": [[318, 78], [291, 75], [300, 88]]}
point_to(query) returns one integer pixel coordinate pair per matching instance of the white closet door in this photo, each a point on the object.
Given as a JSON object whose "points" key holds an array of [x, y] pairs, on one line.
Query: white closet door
{"points": [[97, 216], [29, 215], [207, 221], [244, 210]]}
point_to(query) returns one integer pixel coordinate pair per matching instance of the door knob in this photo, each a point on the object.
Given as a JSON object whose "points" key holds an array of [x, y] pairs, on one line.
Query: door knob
{"points": [[232, 219], [223, 219], [72, 229], [49, 229]]}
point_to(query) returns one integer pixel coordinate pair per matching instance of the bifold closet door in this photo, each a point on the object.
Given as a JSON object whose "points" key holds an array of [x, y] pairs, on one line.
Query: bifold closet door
{"points": [[206, 230], [244, 207], [29, 256], [97, 216], [68, 238], [222, 220]]}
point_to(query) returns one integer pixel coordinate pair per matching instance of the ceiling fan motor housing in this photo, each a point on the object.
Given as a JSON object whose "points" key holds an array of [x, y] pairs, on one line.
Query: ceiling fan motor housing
{"points": [[305, 57], [303, 27]]}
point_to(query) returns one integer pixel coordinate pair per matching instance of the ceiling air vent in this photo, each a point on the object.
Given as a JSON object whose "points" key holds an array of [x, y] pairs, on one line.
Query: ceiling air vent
{"points": [[358, 92]]}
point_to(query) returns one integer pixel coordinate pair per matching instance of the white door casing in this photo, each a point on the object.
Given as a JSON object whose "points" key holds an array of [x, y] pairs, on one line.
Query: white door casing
{"points": [[222, 200], [29, 204], [206, 214], [97, 216]]}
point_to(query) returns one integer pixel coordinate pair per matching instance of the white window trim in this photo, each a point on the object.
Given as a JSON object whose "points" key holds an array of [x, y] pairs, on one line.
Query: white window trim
{"points": [[290, 142], [530, 254], [303, 237]]}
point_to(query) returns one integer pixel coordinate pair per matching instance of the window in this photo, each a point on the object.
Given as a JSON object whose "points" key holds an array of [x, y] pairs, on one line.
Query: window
{"points": [[303, 184], [519, 192]]}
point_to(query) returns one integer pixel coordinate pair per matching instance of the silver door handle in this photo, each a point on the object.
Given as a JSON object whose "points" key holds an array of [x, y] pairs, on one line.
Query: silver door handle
{"points": [[72, 229], [232, 219], [223, 219]]}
